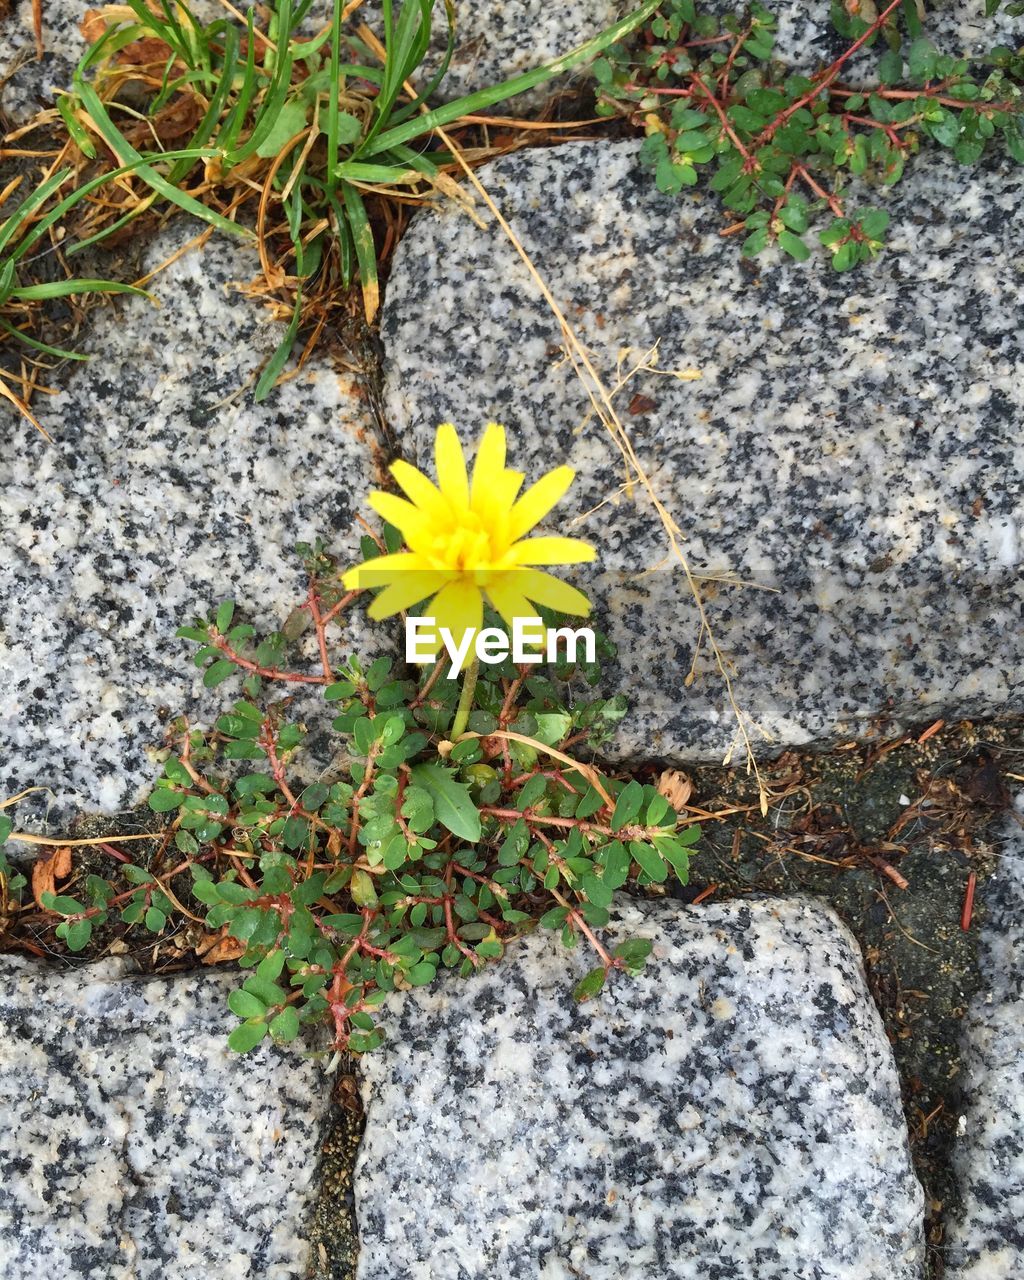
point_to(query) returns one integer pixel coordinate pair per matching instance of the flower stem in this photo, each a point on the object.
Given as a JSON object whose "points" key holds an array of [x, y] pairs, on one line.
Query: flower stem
{"points": [[465, 700]]}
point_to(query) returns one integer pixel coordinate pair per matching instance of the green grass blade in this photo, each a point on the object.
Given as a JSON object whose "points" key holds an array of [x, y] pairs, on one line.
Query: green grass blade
{"points": [[398, 116], [333, 94], [279, 359], [127, 155], [406, 44], [55, 215], [65, 288], [485, 98], [76, 132], [357, 171], [365, 250], [41, 194], [229, 130], [36, 345]]}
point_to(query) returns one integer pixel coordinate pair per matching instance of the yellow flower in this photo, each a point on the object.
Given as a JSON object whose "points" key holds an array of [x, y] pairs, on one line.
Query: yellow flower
{"points": [[466, 540]]}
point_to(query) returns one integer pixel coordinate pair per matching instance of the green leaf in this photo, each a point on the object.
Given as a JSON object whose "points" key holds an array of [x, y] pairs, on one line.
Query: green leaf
{"points": [[794, 246], [874, 223], [634, 952], [265, 990], [61, 904], [755, 242], [845, 256], [285, 1026], [155, 920], [164, 800], [6, 827], [218, 672], [247, 1036], [246, 1005], [589, 986], [649, 860], [890, 67], [291, 119], [921, 60], [627, 806], [597, 891], [453, 804], [78, 934]]}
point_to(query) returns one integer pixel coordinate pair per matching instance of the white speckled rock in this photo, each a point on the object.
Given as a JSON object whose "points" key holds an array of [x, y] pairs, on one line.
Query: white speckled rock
{"points": [[134, 1145], [853, 440], [807, 40], [499, 39], [986, 1239], [734, 1111], [166, 490]]}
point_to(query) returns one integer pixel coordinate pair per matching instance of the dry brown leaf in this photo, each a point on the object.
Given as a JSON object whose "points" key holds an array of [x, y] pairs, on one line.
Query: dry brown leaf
{"points": [[676, 787], [92, 26], [47, 870], [215, 948]]}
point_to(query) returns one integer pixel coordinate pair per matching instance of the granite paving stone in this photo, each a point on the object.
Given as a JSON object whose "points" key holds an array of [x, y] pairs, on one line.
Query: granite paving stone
{"points": [[985, 1239], [499, 39], [496, 40], [134, 1145], [166, 490], [807, 40], [852, 443], [733, 1111]]}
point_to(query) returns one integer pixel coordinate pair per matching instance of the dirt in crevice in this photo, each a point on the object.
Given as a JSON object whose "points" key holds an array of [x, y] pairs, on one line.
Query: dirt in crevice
{"points": [[889, 835]]}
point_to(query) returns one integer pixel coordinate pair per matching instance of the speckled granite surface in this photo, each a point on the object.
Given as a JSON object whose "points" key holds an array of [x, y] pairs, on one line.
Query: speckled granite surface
{"points": [[986, 1240], [498, 39], [166, 490], [807, 40], [134, 1145], [732, 1112], [853, 441], [31, 84]]}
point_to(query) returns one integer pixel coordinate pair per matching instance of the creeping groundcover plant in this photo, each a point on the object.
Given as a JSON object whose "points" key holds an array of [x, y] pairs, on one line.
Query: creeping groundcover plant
{"points": [[462, 814]]}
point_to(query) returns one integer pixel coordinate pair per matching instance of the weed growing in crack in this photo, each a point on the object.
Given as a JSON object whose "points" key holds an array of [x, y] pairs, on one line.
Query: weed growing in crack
{"points": [[456, 818], [782, 149]]}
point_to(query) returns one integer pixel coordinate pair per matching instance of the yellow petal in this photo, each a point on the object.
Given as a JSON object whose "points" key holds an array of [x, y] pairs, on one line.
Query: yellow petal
{"points": [[421, 491], [504, 594], [553, 593], [382, 570], [414, 525], [508, 487], [451, 466], [552, 551], [406, 590], [538, 500], [459, 606], [489, 466]]}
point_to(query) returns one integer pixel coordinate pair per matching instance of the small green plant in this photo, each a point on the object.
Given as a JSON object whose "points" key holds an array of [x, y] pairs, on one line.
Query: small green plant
{"points": [[782, 149], [414, 854]]}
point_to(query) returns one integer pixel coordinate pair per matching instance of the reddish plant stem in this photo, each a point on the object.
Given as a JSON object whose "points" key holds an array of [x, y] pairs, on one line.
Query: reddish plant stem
{"points": [[833, 203], [828, 76], [268, 673], [343, 603], [321, 630], [748, 159]]}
